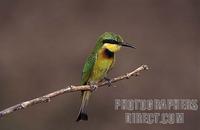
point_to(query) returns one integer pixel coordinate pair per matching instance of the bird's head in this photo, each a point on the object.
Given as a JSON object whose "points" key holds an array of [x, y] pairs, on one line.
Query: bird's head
{"points": [[111, 41]]}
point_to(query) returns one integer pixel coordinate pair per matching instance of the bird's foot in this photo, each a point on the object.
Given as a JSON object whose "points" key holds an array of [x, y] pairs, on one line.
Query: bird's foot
{"points": [[109, 82], [93, 87]]}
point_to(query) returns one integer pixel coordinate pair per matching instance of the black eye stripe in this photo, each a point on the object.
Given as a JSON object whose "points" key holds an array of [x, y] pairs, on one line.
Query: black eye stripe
{"points": [[111, 41]]}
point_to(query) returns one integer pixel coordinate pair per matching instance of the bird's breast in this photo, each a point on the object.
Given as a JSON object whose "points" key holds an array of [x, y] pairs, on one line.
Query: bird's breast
{"points": [[103, 63]]}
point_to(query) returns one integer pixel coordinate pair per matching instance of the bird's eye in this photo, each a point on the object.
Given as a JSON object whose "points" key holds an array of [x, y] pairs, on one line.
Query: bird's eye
{"points": [[111, 41]]}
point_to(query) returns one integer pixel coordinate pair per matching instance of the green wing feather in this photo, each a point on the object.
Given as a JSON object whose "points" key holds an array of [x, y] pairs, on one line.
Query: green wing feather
{"points": [[88, 67]]}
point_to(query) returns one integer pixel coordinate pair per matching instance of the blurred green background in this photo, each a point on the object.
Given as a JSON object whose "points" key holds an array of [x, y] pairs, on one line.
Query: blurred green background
{"points": [[44, 43]]}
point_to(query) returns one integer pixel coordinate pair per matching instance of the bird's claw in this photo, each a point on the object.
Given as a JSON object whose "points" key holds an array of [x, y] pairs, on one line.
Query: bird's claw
{"points": [[93, 87]]}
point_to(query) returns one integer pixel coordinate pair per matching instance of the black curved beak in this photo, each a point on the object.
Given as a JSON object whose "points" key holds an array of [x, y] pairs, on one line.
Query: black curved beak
{"points": [[127, 45]]}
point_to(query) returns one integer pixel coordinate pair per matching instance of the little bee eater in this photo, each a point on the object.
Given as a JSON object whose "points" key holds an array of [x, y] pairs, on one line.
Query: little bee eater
{"points": [[97, 65]]}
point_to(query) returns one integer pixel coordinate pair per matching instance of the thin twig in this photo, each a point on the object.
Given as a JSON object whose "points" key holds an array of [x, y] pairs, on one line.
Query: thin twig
{"points": [[72, 88]]}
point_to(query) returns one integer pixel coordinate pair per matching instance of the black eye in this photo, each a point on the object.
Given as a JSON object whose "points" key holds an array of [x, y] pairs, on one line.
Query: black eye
{"points": [[111, 41]]}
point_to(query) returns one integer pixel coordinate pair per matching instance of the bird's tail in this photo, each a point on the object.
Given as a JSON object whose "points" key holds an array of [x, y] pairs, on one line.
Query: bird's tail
{"points": [[83, 109]]}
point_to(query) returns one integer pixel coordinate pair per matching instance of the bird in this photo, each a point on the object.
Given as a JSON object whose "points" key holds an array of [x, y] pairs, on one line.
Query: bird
{"points": [[98, 64]]}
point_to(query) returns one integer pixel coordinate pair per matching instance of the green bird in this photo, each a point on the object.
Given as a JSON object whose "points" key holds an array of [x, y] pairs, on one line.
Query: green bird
{"points": [[97, 65]]}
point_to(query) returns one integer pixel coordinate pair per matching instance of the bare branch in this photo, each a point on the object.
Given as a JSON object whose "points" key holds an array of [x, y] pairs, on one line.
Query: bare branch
{"points": [[72, 88]]}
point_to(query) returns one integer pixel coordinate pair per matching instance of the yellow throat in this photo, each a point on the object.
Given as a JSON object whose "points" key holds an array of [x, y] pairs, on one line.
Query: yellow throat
{"points": [[112, 47]]}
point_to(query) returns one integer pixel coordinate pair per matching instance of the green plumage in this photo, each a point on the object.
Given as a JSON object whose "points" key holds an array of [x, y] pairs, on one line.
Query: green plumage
{"points": [[96, 67], [87, 69], [90, 62]]}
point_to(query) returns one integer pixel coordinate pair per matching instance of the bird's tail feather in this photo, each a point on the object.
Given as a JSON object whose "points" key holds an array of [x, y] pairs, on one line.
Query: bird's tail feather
{"points": [[83, 109]]}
